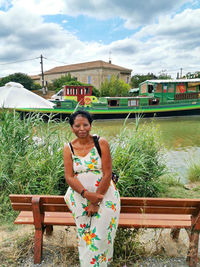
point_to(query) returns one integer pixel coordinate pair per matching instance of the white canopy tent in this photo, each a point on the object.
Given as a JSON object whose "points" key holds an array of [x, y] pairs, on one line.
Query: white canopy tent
{"points": [[14, 95]]}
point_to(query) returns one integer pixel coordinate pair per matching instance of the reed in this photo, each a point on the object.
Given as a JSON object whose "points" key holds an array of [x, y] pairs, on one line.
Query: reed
{"points": [[31, 157], [138, 159], [193, 173], [32, 161]]}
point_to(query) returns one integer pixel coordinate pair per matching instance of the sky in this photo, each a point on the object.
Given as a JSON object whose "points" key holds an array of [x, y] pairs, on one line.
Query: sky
{"points": [[155, 36]]}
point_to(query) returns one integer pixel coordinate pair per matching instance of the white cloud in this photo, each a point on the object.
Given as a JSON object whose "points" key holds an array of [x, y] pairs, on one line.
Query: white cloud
{"points": [[170, 43], [40, 7]]}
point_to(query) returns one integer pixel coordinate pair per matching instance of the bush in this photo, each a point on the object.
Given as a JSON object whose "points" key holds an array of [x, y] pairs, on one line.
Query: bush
{"points": [[31, 158], [194, 172], [137, 158], [114, 87]]}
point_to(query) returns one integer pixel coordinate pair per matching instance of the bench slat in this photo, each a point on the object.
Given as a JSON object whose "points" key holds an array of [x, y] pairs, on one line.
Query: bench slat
{"points": [[158, 210], [125, 201], [170, 202], [126, 220]]}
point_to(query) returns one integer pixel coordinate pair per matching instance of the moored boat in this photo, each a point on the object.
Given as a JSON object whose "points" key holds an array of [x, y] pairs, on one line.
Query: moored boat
{"points": [[158, 98]]}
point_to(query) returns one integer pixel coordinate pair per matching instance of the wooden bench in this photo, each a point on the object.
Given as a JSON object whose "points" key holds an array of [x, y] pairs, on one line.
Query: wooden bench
{"points": [[45, 211]]}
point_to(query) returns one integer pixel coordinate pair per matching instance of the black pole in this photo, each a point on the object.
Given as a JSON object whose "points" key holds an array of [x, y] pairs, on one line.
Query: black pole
{"points": [[41, 62]]}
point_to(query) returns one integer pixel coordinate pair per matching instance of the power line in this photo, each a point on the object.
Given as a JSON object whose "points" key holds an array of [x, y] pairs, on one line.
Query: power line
{"points": [[8, 63], [56, 61]]}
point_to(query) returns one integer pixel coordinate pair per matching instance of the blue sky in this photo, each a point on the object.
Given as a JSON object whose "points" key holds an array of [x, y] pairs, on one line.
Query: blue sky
{"points": [[92, 29], [145, 36]]}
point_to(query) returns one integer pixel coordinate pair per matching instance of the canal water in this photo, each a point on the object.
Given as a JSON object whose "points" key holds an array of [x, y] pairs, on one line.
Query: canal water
{"points": [[180, 136]]}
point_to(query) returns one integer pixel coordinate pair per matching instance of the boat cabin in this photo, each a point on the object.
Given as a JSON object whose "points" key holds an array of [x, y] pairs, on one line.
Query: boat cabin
{"points": [[81, 94], [170, 91]]}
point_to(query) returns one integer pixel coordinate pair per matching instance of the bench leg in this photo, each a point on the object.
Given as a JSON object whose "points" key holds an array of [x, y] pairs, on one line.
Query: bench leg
{"points": [[49, 229], [175, 234], [38, 246], [193, 248]]}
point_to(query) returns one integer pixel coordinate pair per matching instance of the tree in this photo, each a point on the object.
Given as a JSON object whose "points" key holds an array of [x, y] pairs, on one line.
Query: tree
{"points": [[137, 79], [164, 77], [69, 80], [21, 78], [114, 87]]}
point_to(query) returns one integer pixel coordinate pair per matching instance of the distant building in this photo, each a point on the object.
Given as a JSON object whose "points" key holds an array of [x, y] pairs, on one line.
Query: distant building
{"points": [[93, 73], [36, 78]]}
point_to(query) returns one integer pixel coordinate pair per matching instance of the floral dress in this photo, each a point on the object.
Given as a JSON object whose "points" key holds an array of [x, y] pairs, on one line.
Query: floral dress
{"points": [[96, 233]]}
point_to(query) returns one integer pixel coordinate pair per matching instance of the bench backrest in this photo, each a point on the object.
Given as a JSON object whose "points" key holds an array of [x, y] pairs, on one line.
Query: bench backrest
{"points": [[128, 205]]}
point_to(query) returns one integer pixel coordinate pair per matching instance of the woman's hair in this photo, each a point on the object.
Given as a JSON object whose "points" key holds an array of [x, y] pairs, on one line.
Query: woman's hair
{"points": [[80, 113]]}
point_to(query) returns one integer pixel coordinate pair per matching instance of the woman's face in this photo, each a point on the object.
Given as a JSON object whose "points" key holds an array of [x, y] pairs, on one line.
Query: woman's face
{"points": [[81, 127]]}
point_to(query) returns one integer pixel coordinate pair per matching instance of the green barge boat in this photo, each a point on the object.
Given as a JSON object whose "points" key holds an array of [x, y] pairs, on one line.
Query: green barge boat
{"points": [[160, 98]]}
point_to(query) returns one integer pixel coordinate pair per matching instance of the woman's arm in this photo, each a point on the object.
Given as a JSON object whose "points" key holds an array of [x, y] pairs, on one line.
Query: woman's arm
{"points": [[73, 182], [106, 166]]}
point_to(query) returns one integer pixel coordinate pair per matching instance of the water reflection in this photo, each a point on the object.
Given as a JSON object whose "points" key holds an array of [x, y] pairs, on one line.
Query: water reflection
{"points": [[180, 135]]}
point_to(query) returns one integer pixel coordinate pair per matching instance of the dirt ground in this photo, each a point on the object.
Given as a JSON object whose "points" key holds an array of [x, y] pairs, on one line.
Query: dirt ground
{"points": [[60, 249]]}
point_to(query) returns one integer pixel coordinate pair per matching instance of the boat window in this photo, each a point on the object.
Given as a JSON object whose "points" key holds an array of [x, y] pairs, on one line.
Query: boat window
{"points": [[192, 87], [180, 88], [67, 91], [87, 90], [164, 88], [154, 101], [150, 88], [132, 102], [113, 103], [75, 91], [158, 88], [170, 88], [144, 88]]}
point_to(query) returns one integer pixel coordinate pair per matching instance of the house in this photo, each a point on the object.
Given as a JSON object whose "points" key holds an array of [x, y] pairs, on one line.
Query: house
{"points": [[36, 78], [94, 72]]}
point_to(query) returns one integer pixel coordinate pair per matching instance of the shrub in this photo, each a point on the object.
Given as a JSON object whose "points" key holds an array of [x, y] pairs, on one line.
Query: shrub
{"points": [[137, 158], [31, 157], [194, 172]]}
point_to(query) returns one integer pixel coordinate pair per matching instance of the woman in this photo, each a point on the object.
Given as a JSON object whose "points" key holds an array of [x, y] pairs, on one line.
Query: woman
{"points": [[92, 196]]}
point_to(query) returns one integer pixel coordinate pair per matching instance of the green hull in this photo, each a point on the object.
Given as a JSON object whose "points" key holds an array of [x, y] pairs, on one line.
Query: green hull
{"points": [[160, 111]]}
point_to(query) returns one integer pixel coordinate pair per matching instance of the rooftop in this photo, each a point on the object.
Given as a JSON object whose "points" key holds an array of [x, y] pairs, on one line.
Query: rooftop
{"points": [[87, 65], [175, 81]]}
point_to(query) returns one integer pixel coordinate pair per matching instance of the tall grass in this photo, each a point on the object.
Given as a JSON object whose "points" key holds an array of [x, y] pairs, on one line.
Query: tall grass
{"points": [[31, 157], [138, 158], [32, 162], [194, 172]]}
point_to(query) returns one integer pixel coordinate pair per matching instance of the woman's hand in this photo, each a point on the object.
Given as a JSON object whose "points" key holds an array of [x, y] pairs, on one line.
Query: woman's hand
{"points": [[92, 209], [93, 197]]}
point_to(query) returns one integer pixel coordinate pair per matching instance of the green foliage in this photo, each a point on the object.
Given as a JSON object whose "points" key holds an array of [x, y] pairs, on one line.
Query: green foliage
{"points": [[63, 80], [127, 248], [21, 78], [31, 158], [69, 80], [194, 172], [114, 87], [137, 79], [164, 77], [137, 158]]}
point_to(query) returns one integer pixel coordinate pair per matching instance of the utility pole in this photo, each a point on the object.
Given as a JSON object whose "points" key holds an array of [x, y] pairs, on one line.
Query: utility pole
{"points": [[42, 72], [181, 73]]}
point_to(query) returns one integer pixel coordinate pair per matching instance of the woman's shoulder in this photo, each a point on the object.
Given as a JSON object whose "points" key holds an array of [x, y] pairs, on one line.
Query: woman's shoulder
{"points": [[103, 141]]}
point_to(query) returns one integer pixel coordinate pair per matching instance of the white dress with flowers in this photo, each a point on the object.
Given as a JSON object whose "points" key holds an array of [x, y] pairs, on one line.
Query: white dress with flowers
{"points": [[95, 234]]}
